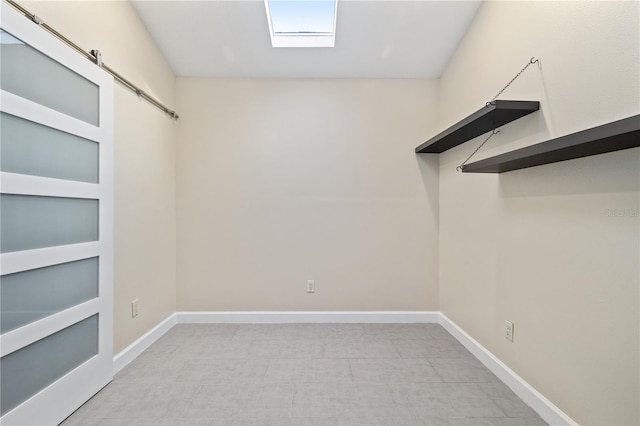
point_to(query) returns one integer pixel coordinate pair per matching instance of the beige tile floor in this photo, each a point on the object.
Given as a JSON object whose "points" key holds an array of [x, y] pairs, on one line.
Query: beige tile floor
{"points": [[305, 374]]}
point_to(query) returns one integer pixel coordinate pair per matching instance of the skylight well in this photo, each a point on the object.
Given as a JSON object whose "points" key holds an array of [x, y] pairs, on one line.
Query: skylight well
{"points": [[302, 23]]}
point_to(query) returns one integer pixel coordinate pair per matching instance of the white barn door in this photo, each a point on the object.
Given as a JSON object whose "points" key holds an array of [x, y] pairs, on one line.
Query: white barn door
{"points": [[56, 225]]}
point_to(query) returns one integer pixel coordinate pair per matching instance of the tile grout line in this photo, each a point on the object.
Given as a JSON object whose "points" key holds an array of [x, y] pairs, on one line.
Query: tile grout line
{"points": [[435, 370]]}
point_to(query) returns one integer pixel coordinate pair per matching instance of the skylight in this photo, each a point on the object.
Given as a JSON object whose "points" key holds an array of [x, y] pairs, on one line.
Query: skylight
{"points": [[302, 23]]}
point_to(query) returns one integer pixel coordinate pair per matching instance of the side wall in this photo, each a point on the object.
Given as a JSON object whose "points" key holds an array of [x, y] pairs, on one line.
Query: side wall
{"points": [[281, 181], [554, 248], [145, 227]]}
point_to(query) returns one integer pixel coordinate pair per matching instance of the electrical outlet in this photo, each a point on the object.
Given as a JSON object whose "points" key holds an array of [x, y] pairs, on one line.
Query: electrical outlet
{"points": [[134, 308], [311, 286], [508, 330]]}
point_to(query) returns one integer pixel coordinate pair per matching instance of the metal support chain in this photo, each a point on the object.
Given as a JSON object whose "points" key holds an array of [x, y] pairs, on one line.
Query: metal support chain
{"points": [[532, 61], [461, 166]]}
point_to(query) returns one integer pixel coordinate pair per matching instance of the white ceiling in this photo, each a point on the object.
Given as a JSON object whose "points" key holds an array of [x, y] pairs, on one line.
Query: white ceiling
{"points": [[374, 39]]}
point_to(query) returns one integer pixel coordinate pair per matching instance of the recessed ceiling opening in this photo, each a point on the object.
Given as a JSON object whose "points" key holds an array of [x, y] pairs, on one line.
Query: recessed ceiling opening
{"points": [[302, 23]]}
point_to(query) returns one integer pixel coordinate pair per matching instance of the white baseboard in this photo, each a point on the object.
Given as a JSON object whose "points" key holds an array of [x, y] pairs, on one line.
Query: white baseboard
{"points": [[132, 351], [541, 405], [545, 408], [286, 317]]}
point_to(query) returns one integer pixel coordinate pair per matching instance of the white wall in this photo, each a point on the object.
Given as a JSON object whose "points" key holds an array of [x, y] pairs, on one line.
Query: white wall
{"points": [[144, 163], [537, 246], [280, 181]]}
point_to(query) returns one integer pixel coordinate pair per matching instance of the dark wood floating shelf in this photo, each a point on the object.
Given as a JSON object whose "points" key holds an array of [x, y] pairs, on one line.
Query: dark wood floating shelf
{"points": [[614, 136], [493, 115]]}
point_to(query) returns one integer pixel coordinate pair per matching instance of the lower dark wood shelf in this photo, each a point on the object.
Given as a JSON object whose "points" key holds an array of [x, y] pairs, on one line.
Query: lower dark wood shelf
{"points": [[614, 136]]}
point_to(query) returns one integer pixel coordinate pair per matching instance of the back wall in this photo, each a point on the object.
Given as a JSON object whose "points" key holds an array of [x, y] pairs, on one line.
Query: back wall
{"points": [[281, 181]]}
